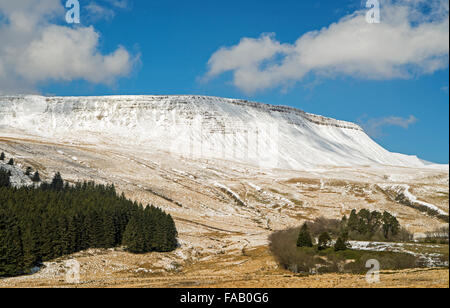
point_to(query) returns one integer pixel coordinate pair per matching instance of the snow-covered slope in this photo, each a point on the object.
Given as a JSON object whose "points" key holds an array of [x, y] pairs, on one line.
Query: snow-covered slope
{"points": [[199, 127], [18, 177]]}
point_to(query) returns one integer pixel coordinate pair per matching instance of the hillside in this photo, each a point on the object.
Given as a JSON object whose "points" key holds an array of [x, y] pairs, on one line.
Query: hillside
{"points": [[223, 205], [199, 127]]}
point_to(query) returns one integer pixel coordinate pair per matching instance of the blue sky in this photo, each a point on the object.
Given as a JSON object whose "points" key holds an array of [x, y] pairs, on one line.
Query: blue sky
{"points": [[171, 42]]}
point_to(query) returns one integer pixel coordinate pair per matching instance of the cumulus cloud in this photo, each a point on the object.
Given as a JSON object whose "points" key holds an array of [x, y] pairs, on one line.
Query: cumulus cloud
{"points": [[406, 43], [37, 46], [373, 127]]}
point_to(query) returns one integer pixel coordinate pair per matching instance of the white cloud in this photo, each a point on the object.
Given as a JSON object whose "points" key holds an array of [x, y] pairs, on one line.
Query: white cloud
{"points": [[104, 9], [373, 127], [36, 46], [97, 12], [406, 43], [122, 4]]}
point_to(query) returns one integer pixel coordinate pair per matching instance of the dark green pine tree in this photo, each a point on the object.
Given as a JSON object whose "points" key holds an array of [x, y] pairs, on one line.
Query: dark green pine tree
{"points": [[4, 178], [158, 236], [63, 244], [2, 156], [353, 221], [364, 221], [109, 231], [172, 233], [49, 248], [375, 222], [132, 236], [151, 227], [40, 223], [94, 229], [28, 171], [74, 233], [36, 178], [57, 182], [11, 261], [304, 238], [391, 226], [340, 244], [31, 244], [11, 162]]}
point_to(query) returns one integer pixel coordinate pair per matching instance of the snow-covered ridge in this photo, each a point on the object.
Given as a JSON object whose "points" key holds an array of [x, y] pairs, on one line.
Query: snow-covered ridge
{"points": [[199, 127], [141, 101], [316, 119]]}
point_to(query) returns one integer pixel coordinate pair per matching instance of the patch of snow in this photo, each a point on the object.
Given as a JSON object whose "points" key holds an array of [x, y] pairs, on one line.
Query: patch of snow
{"points": [[230, 192], [18, 177], [404, 190], [428, 259], [255, 187]]}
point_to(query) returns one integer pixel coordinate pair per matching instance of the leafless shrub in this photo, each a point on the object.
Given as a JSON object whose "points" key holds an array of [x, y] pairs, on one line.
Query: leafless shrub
{"points": [[438, 236], [322, 224], [283, 246]]}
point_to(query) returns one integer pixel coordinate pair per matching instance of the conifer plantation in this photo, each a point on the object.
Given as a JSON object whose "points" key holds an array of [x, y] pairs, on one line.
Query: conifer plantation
{"points": [[56, 219], [4, 178]]}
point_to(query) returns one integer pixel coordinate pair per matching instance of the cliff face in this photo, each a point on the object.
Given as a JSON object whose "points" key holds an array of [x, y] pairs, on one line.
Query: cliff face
{"points": [[198, 127]]}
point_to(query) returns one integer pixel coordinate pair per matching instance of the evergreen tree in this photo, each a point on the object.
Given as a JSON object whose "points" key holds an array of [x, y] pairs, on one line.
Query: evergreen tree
{"points": [[353, 221], [36, 178], [375, 222], [109, 231], [28, 171], [57, 182], [4, 178], [31, 242], [304, 238], [132, 238], [391, 226], [39, 224], [11, 254], [344, 235], [363, 226], [324, 241], [172, 233], [2, 156], [340, 244], [11, 162]]}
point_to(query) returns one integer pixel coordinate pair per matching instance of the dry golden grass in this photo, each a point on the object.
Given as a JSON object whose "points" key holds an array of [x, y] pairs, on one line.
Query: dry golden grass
{"points": [[213, 226], [252, 268]]}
